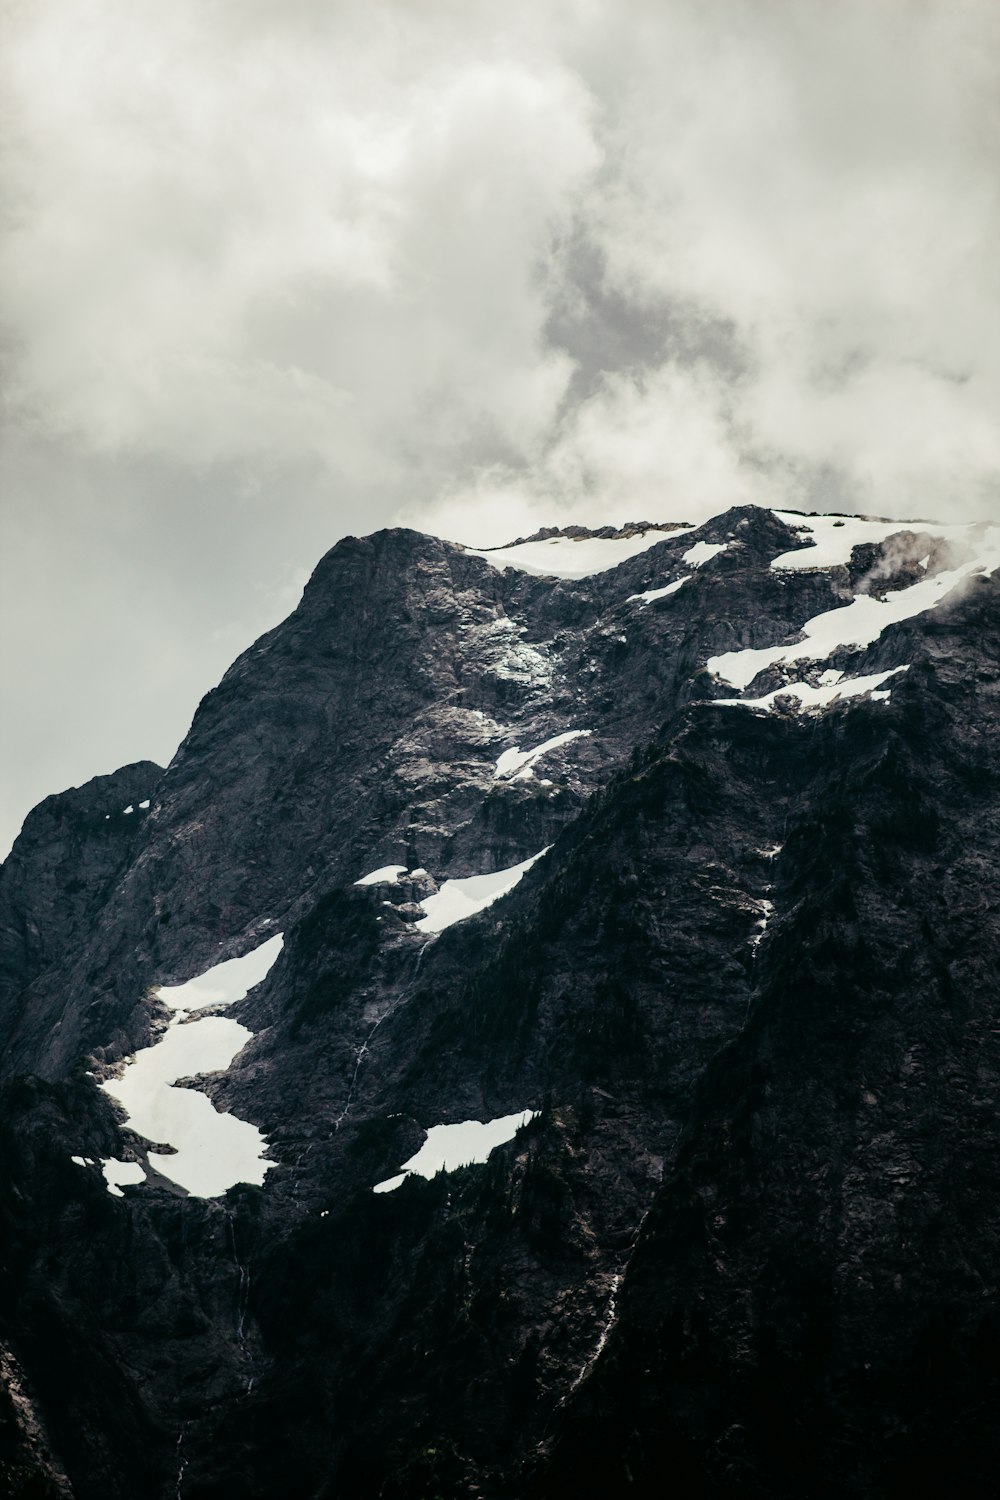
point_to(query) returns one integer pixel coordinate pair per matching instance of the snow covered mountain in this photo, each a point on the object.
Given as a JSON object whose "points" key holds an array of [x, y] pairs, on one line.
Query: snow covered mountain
{"points": [[539, 1037]]}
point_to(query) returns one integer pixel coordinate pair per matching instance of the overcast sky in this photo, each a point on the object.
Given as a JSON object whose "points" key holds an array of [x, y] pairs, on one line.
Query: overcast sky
{"points": [[275, 271]]}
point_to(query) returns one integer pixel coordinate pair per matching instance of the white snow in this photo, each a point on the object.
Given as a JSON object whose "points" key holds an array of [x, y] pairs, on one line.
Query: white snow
{"points": [[522, 760], [83, 1161], [466, 1144], [129, 809], [226, 983], [651, 594], [859, 623], [387, 875], [120, 1173], [145, 804], [834, 538], [818, 697], [703, 552], [458, 899], [390, 1183], [564, 557], [211, 1151]]}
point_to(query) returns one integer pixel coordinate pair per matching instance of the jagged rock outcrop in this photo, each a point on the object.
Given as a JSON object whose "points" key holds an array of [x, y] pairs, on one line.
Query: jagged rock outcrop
{"points": [[748, 992]]}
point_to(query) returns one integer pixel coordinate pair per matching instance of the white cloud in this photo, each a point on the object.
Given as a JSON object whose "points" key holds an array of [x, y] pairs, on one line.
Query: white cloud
{"points": [[819, 176], [815, 181], [262, 234], [248, 246], [642, 447], [275, 269]]}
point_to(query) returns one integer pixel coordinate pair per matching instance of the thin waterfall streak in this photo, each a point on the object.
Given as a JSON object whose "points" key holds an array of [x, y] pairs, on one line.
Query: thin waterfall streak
{"points": [[359, 1058], [181, 1465]]}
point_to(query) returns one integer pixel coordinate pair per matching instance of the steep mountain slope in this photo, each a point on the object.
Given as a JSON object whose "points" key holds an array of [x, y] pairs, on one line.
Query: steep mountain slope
{"points": [[812, 1307], [739, 978]]}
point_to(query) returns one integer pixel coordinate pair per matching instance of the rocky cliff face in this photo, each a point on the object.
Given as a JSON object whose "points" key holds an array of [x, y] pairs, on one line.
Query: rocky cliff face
{"points": [[743, 996]]}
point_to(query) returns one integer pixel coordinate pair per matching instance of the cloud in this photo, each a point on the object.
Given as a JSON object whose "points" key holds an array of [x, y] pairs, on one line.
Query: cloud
{"points": [[800, 200], [654, 446], [260, 243], [275, 271], [255, 234]]}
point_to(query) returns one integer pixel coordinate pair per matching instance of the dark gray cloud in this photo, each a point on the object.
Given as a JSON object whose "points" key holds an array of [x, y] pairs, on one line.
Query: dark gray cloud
{"points": [[276, 272]]}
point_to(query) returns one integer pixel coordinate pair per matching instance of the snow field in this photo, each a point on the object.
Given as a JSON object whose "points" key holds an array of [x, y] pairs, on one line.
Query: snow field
{"points": [[859, 623], [521, 761], [226, 982], [834, 538], [459, 899], [703, 552], [118, 1174], [564, 557], [386, 875], [212, 1151], [466, 1144], [818, 697], [651, 594]]}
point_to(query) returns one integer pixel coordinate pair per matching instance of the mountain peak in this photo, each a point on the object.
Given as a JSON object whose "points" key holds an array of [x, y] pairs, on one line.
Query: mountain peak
{"points": [[614, 1004]]}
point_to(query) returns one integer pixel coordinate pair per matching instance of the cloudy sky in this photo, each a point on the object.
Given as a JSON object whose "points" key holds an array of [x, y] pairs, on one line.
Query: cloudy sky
{"points": [[275, 271]]}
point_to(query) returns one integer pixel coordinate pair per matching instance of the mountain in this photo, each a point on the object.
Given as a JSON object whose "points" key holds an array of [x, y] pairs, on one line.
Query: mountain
{"points": [[659, 864]]}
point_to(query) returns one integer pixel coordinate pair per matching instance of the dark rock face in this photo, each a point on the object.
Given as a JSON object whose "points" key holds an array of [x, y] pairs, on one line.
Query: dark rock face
{"points": [[812, 1305], [747, 1244], [70, 854]]}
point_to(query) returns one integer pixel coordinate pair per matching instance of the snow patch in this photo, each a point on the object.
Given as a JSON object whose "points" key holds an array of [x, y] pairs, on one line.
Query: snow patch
{"points": [[211, 1151], [651, 594], [226, 983], [566, 557], [464, 1145], [703, 552], [522, 760], [834, 538], [118, 1174], [387, 875], [818, 697], [859, 623], [145, 804], [459, 899]]}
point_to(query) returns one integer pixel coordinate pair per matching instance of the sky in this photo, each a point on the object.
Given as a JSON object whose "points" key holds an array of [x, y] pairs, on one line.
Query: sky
{"points": [[279, 271]]}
